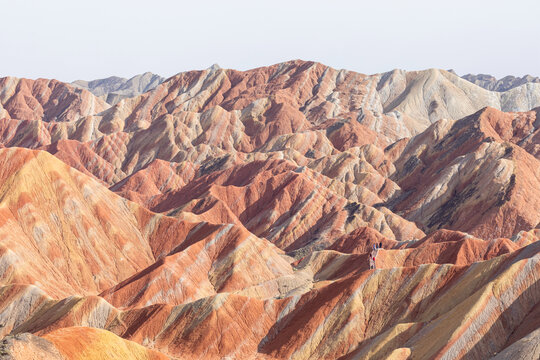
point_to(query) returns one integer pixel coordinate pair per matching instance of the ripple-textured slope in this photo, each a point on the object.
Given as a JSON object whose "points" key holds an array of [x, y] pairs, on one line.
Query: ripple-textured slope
{"points": [[231, 214]]}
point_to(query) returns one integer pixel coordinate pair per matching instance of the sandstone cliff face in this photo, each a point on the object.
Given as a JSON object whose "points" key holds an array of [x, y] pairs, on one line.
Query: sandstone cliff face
{"points": [[228, 214]]}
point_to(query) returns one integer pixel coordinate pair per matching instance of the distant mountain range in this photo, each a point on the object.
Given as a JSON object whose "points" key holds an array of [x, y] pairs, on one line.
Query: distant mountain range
{"points": [[114, 88], [489, 82]]}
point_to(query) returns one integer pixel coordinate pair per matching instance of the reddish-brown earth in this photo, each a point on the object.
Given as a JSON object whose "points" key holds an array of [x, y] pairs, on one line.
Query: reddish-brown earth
{"points": [[229, 214]]}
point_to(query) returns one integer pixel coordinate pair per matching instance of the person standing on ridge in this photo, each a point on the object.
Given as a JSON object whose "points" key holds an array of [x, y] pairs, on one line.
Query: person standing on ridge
{"points": [[372, 259], [373, 255]]}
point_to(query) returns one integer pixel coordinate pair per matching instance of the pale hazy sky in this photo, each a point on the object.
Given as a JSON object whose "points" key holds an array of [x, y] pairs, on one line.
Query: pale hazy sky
{"points": [[71, 39]]}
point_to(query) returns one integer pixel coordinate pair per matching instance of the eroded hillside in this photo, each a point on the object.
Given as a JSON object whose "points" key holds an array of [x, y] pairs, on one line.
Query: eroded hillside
{"points": [[231, 214]]}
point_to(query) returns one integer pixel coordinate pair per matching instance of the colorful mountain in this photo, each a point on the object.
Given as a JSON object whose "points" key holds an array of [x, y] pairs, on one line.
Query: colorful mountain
{"points": [[231, 214]]}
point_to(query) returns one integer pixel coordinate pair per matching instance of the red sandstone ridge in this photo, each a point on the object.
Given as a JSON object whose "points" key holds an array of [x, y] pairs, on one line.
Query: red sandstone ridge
{"points": [[268, 197], [230, 214], [472, 175], [46, 100]]}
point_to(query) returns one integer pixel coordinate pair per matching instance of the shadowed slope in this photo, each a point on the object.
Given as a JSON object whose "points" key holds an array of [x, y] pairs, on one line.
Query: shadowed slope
{"points": [[211, 259], [288, 205], [467, 175]]}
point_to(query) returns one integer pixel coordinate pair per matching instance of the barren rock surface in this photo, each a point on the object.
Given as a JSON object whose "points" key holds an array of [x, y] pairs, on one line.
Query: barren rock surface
{"points": [[231, 214]]}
